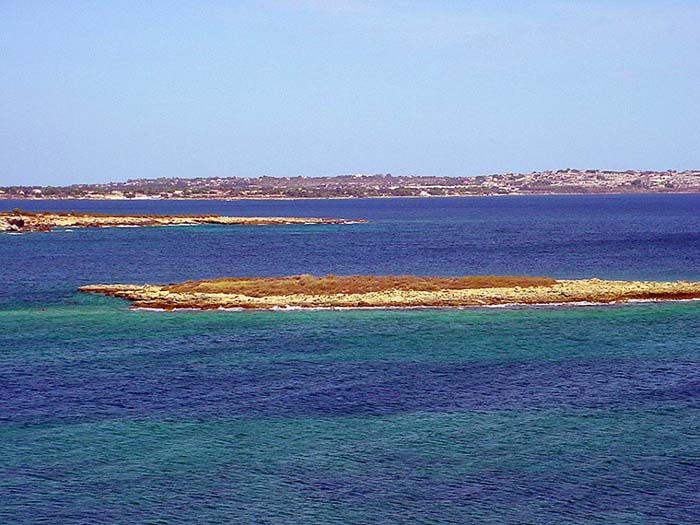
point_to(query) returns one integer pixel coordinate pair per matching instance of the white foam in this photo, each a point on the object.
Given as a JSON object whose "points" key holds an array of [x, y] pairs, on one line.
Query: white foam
{"points": [[663, 300], [540, 305], [521, 306]]}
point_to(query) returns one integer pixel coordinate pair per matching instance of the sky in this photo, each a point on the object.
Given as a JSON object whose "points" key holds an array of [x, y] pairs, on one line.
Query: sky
{"points": [[107, 91]]}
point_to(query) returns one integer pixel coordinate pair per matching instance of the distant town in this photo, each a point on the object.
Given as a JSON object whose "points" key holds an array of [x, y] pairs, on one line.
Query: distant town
{"points": [[568, 181]]}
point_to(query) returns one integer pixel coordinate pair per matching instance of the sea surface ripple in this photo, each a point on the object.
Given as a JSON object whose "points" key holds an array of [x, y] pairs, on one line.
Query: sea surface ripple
{"points": [[583, 415]]}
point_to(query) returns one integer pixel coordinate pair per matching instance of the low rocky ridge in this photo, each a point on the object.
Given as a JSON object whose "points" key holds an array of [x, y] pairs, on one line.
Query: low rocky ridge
{"points": [[386, 292], [23, 221]]}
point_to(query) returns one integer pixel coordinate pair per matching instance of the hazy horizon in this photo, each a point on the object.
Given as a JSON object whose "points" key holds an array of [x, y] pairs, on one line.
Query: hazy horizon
{"points": [[96, 93]]}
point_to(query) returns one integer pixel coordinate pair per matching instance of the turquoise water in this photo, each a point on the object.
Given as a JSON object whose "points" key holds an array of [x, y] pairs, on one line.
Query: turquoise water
{"points": [[535, 415], [436, 416]]}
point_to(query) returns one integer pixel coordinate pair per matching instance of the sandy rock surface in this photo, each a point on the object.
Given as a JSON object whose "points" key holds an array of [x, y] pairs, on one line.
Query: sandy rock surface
{"points": [[22, 222]]}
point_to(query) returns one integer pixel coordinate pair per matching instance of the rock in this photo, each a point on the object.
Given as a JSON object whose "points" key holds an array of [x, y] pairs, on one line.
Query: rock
{"points": [[21, 221], [411, 292]]}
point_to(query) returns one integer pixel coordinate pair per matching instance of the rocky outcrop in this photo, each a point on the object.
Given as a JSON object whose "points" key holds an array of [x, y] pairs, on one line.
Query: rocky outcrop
{"points": [[23, 221], [198, 295]]}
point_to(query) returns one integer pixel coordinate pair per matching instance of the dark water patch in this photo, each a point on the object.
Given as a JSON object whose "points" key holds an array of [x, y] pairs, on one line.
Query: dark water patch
{"points": [[293, 389]]}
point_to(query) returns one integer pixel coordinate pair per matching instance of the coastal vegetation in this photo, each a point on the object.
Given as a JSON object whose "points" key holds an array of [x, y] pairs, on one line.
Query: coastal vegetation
{"points": [[354, 284]]}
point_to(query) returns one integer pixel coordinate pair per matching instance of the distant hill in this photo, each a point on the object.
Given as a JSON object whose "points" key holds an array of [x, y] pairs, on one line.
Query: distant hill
{"points": [[567, 181]]}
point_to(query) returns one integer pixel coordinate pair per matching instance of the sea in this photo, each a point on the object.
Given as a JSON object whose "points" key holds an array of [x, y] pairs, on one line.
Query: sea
{"points": [[518, 415]]}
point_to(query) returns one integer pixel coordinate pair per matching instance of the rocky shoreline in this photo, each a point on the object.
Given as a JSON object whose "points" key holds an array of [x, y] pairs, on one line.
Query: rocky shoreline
{"points": [[383, 292], [23, 221]]}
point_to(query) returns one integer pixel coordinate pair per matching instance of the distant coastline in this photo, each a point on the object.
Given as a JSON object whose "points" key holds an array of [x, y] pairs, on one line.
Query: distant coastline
{"points": [[377, 197], [561, 182]]}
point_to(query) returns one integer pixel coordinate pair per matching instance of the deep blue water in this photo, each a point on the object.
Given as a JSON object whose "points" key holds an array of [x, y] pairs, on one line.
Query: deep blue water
{"points": [[539, 415]]}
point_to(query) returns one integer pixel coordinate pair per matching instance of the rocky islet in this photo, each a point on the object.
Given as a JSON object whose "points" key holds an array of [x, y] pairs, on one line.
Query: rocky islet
{"points": [[529, 291], [18, 221]]}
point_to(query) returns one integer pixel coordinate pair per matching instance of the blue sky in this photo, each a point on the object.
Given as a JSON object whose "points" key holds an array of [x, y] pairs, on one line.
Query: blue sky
{"points": [[98, 91]]}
